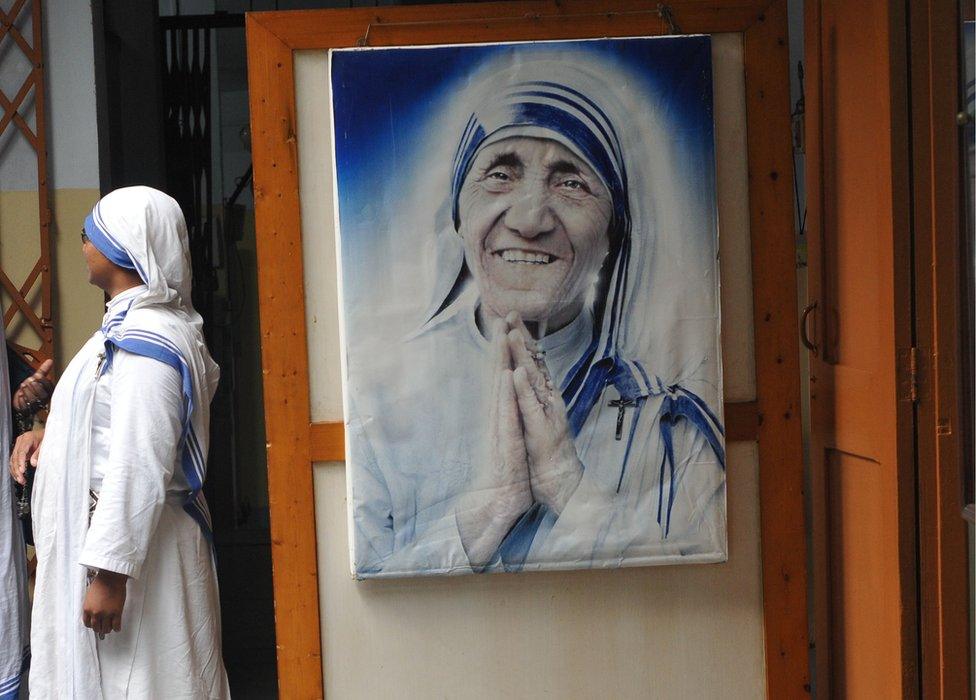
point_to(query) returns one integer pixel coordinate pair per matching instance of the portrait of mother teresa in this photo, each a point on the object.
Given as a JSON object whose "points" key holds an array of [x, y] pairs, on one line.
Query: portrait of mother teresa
{"points": [[557, 405]]}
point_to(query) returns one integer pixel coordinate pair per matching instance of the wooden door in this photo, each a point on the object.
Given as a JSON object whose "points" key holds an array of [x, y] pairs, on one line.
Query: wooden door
{"points": [[859, 323]]}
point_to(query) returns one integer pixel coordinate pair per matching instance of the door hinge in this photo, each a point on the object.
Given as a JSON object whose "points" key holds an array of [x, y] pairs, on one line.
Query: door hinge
{"points": [[909, 370]]}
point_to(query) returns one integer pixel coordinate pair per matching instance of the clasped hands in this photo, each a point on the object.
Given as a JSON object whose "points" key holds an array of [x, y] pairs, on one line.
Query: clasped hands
{"points": [[532, 455]]}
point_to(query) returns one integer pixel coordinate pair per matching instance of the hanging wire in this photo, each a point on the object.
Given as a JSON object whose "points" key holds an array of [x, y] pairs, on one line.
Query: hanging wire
{"points": [[667, 14], [364, 39], [796, 120]]}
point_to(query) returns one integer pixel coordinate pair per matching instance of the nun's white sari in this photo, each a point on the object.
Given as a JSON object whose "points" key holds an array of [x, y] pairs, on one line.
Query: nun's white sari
{"points": [[129, 421]]}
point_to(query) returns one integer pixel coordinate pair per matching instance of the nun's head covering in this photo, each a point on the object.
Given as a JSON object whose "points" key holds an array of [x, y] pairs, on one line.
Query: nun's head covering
{"points": [[547, 110], [142, 229]]}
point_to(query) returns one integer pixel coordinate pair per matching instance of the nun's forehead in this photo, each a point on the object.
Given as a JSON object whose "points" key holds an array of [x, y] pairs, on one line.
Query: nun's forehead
{"points": [[518, 141]]}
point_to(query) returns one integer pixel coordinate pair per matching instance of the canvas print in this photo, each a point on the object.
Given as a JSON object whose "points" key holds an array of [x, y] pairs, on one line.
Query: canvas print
{"points": [[528, 253]]}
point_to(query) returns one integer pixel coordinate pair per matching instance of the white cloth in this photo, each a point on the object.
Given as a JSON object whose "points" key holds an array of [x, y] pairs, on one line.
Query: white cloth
{"points": [[130, 418], [417, 455], [13, 560]]}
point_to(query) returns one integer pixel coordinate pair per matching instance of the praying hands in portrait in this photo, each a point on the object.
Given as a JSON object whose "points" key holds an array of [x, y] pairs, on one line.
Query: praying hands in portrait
{"points": [[533, 457]]}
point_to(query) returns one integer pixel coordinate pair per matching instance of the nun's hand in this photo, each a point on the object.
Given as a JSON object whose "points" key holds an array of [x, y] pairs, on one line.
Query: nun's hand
{"points": [[502, 493], [34, 392], [554, 467], [24, 454], [104, 602]]}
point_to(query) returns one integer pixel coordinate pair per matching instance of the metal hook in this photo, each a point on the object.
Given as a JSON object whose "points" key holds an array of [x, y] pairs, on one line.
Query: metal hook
{"points": [[667, 14], [364, 39]]}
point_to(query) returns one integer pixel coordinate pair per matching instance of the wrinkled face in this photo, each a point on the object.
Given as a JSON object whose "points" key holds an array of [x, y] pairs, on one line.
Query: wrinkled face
{"points": [[533, 218]]}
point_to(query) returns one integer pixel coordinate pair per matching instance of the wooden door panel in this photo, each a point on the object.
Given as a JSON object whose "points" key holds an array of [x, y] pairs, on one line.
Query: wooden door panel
{"points": [[862, 485], [852, 171], [852, 394], [864, 635]]}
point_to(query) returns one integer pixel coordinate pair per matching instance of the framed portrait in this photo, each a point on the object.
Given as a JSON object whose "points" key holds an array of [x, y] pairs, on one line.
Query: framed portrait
{"points": [[333, 632], [527, 246]]}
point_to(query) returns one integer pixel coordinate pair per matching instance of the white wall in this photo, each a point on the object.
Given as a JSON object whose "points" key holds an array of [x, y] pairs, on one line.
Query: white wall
{"points": [[664, 632], [69, 69], [71, 86]]}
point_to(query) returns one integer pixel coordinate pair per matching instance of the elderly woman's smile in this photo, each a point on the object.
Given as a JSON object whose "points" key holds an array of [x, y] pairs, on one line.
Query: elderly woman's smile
{"points": [[533, 218]]}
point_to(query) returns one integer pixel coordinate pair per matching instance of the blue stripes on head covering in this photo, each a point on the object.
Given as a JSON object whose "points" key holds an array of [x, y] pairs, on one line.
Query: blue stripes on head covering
{"points": [[563, 111]]}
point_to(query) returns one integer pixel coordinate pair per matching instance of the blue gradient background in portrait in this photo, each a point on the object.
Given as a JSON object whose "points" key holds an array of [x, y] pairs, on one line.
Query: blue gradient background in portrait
{"points": [[384, 100]]}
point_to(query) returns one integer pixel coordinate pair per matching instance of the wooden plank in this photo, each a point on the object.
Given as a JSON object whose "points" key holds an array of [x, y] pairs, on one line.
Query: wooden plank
{"points": [[284, 363], [501, 21], [327, 439], [782, 520], [942, 383], [742, 421], [820, 429], [327, 442]]}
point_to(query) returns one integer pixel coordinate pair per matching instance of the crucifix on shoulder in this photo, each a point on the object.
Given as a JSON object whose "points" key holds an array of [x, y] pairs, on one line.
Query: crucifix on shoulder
{"points": [[621, 405]]}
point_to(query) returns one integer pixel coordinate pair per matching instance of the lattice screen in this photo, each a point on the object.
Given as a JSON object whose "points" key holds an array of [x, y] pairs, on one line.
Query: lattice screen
{"points": [[24, 118]]}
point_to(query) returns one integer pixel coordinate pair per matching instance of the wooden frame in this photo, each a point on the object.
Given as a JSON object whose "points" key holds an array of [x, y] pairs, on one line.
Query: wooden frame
{"points": [[941, 451], [294, 443]]}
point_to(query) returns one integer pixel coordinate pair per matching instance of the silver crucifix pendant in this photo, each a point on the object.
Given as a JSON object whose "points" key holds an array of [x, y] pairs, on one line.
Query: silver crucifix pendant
{"points": [[621, 405]]}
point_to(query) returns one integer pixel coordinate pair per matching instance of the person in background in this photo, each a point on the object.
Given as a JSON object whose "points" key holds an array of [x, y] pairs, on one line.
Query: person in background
{"points": [[31, 396], [126, 600]]}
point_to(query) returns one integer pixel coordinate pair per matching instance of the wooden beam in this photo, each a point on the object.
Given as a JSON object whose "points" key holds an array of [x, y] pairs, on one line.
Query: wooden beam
{"points": [[284, 363], [782, 520], [327, 442], [501, 21]]}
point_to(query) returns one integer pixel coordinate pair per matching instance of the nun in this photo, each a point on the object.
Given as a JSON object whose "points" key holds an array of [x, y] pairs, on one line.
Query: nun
{"points": [[126, 601], [550, 418]]}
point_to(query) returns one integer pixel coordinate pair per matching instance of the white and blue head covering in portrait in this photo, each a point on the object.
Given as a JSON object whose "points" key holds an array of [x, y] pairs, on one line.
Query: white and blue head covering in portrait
{"points": [[548, 98]]}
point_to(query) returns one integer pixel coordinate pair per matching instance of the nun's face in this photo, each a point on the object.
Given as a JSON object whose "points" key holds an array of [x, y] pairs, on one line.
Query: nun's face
{"points": [[100, 268], [534, 218]]}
